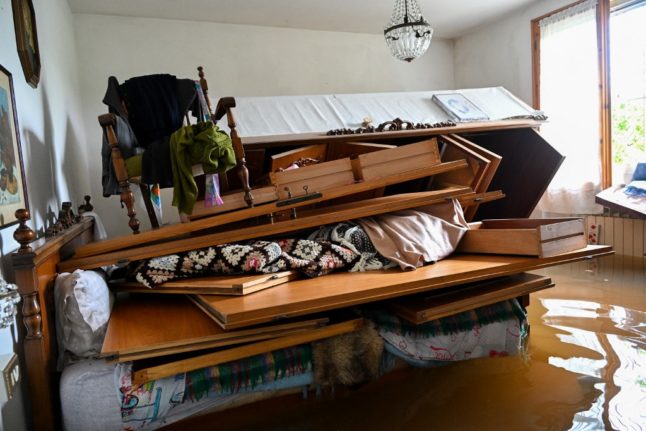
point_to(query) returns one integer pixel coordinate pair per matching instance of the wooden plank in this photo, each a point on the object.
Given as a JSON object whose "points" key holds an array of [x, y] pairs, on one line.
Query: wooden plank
{"points": [[609, 226], [135, 327], [485, 183], [471, 176], [339, 150], [283, 160], [473, 199], [423, 308], [340, 290], [332, 214], [313, 178], [234, 201], [233, 354], [168, 233], [380, 164], [216, 285]]}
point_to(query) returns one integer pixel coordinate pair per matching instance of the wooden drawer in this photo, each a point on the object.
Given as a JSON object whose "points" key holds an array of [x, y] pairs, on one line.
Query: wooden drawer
{"points": [[527, 237]]}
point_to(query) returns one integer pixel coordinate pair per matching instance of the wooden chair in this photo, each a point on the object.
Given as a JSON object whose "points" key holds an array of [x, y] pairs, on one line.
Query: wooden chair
{"points": [[108, 124]]}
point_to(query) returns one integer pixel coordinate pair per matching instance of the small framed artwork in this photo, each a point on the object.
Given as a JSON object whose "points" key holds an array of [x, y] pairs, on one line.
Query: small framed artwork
{"points": [[24, 21], [13, 194], [459, 107]]}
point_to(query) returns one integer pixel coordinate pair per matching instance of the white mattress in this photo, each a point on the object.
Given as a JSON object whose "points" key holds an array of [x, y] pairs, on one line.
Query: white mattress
{"points": [[263, 116]]}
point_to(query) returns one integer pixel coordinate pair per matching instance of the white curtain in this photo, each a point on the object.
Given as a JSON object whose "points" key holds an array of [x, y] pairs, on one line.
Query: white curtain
{"points": [[569, 94]]}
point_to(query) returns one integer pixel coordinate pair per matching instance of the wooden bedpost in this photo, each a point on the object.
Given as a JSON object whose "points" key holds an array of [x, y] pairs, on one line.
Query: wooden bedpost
{"points": [[108, 123], [225, 105]]}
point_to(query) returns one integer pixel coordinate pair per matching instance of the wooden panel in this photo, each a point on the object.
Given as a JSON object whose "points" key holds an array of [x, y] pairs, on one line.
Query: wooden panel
{"points": [[487, 178], [315, 178], [285, 159], [472, 175], [407, 157], [419, 309], [216, 285], [327, 215], [609, 226], [520, 177], [339, 150], [233, 354], [135, 328], [532, 237], [167, 233], [346, 289], [640, 239], [234, 201]]}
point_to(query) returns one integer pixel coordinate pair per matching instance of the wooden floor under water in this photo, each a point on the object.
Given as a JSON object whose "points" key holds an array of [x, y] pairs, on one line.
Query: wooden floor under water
{"points": [[585, 369]]}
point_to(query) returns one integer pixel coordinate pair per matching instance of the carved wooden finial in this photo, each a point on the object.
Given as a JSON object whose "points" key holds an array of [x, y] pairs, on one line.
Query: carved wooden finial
{"points": [[87, 206], [205, 88], [24, 234]]}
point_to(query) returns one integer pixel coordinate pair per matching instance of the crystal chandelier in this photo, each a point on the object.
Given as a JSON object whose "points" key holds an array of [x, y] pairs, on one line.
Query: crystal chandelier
{"points": [[407, 34]]}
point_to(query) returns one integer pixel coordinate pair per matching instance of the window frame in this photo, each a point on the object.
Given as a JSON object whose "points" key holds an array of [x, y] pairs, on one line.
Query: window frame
{"points": [[603, 48]]}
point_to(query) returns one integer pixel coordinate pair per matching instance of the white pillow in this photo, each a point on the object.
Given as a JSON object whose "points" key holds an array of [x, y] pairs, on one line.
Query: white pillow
{"points": [[83, 303]]}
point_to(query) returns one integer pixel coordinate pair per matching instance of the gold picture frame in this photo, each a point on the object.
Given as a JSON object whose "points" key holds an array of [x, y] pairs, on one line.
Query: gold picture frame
{"points": [[13, 191], [24, 20]]}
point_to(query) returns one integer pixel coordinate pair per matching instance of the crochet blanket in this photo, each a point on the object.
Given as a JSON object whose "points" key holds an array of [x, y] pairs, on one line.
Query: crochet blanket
{"points": [[340, 247]]}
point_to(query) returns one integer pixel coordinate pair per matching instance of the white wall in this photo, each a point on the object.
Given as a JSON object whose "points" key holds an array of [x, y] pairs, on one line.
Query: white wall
{"points": [[239, 60], [51, 134], [500, 53]]}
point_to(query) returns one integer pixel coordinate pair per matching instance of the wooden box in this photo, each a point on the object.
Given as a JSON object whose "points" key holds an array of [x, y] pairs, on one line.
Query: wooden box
{"points": [[528, 237]]}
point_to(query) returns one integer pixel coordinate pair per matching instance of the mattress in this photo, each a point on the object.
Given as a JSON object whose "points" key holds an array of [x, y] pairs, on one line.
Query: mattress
{"points": [[89, 399]]}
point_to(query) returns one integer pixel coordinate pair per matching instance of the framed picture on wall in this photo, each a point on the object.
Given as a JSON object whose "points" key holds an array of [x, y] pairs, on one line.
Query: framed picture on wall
{"points": [[24, 21], [13, 193], [459, 107]]}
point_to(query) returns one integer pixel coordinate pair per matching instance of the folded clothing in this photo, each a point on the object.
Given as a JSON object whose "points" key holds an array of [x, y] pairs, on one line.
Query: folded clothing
{"points": [[417, 236]]}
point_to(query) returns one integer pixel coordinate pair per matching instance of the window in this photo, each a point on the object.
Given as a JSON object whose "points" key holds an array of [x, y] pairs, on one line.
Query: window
{"points": [[601, 132]]}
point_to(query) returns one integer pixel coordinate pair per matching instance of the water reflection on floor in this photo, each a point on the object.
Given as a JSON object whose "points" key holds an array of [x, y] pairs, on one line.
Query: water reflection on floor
{"points": [[585, 369]]}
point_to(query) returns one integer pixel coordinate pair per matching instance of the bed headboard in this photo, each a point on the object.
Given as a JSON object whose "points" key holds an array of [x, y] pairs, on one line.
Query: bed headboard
{"points": [[35, 269]]}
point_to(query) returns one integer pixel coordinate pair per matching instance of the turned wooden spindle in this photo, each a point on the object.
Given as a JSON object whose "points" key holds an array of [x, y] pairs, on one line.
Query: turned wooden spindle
{"points": [[24, 234], [205, 88], [243, 172], [108, 122]]}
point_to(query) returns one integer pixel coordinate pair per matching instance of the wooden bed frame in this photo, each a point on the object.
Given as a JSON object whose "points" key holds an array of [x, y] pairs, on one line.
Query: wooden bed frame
{"points": [[35, 268]]}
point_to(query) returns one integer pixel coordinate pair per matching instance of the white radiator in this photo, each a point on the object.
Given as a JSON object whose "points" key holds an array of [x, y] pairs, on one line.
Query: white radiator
{"points": [[626, 235]]}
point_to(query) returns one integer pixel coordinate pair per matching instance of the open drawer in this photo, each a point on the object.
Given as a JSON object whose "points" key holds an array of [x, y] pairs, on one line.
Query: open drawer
{"points": [[527, 237]]}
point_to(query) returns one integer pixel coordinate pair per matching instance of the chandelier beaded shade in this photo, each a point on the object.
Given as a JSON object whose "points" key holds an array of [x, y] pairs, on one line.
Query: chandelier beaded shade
{"points": [[407, 34]]}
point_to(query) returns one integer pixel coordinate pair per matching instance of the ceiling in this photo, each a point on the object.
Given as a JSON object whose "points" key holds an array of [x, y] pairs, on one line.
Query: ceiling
{"points": [[449, 18]]}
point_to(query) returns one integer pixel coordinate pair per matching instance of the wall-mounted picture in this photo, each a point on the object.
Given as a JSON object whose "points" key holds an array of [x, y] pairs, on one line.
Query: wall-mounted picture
{"points": [[24, 20], [13, 194], [459, 107]]}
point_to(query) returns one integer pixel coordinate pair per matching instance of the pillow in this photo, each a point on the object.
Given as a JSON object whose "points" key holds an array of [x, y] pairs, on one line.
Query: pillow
{"points": [[82, 305]]}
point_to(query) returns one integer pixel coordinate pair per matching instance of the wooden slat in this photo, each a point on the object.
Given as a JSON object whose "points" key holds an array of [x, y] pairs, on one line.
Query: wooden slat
{"points": [[609, 226], [233, 354], [167, 233], [235, 201], [317, 178], [423, 308], [640, 239], [339, 150], [487, 178], [332, 214], [618, 235], [283, 160], [347, 289], [159, 325], [380, 164], [216, 285], [471, 176]]}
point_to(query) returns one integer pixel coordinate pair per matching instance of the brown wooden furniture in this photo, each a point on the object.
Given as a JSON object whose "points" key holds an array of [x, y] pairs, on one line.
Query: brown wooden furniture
{"points": [[515, 144]]}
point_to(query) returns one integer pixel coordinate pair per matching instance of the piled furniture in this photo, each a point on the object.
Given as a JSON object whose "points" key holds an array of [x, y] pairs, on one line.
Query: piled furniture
{"points": [[300, 182]]}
